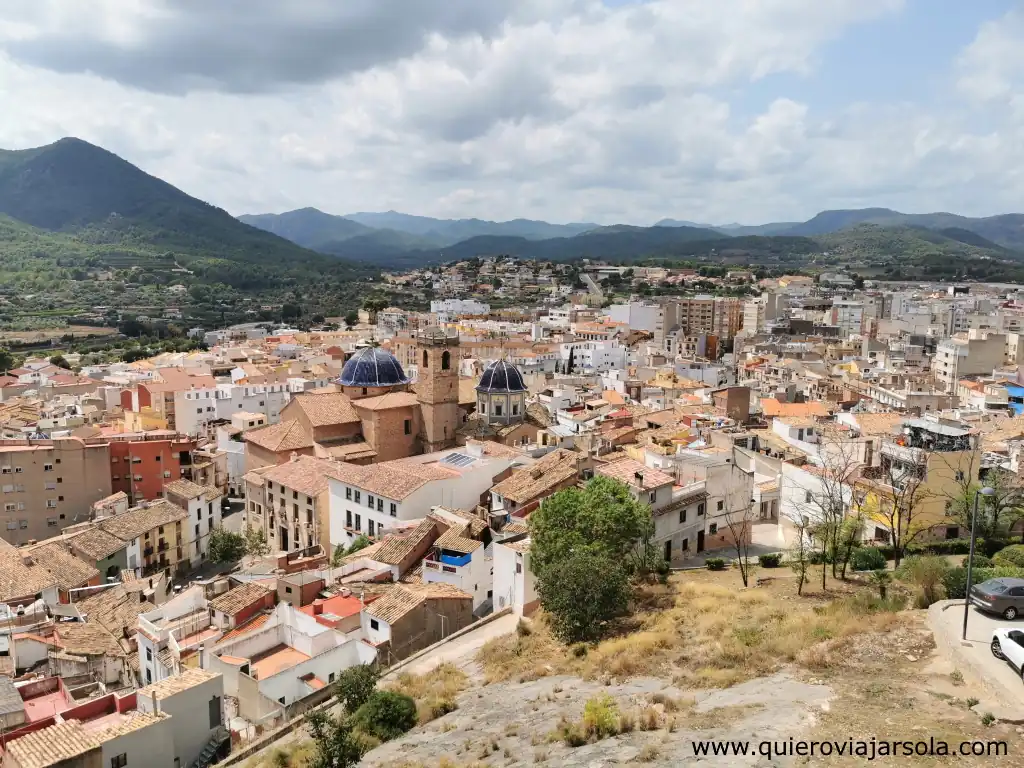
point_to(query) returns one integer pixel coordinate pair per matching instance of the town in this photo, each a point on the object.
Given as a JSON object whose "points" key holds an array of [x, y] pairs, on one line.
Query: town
{"points": [[196, 545]]}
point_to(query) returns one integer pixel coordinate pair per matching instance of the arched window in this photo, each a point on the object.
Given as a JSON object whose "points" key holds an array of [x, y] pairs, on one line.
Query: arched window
{"points": [[446, 360], [425, 358]]}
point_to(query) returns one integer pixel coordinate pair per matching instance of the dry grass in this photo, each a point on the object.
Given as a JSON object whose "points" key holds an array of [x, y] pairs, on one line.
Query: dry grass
{"points": [[435, 692], [703, 633]]}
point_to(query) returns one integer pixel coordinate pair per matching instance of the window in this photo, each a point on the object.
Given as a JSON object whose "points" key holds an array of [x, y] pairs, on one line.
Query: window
{"points": [[373, 622], [380, 505], [149, 677], [51, 503], [49, 486], [394, 509], [12, 525], [369, 527], [167, 473], [149, 654], [359, 523], [309, 499], [119, 761], [214, 711], [348, 494], [686, 545], [652, 496], [682, 515], [515, 409], [348, 518], [959, 476], [18, 470], [199, 410], [51, 522], [60, 498], [519, 567], [330, 678], [295, 494], [10, 507], [369, 501], [60, 479], [408, 426], [713, 528], [47, 467], [808, 497], [721, 505], [497, 409], [446, 360], [358, 497], [425, 358]]}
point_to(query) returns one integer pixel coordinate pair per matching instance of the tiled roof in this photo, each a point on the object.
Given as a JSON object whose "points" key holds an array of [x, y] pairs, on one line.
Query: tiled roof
{"points": [[252, 624], [403, 598], [172, 685], [286, 436], [879, 423], [184, 488], [522, 545], [393, 479], [18, 579], [88, 639], [386, 402], [115, 608], [625, 471], [326, 409], [69, 571], [239, 598], [305, 474], [135, 522], [395, 548], [10, 700], [772, 407], [454, 539], [96, 543], [534, 481], [53, 745]]}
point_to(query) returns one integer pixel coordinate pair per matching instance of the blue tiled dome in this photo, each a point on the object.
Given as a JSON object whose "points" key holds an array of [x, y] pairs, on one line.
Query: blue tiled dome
{"points": [[372, 367], [501, 376]]}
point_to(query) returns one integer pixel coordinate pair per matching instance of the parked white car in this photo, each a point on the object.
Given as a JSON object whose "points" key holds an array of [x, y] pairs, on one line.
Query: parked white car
{"points": [[1008, 645]]}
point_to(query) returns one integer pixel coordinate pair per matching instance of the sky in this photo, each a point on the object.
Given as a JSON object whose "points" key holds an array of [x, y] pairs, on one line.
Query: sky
{"points": [[607, 111]]}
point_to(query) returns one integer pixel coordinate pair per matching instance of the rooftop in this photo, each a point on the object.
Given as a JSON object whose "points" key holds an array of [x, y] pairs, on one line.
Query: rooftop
{"points": [[239, 598], [403, 598], [135, 522], [548, 472], [171, 685], [305, 474], [635, 474], [286, 436], [276, 660], [19, 579]]}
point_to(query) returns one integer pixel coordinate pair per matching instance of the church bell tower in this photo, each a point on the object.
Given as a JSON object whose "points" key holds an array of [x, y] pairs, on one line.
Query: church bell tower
{"points": [[437, 387]]}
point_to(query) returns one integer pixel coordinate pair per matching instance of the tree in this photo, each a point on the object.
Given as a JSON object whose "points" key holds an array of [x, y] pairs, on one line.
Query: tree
{"points": [[360, 542], [355, 685], [337, 555], [225, 546], [799, 554], [351, 318], [332, 737], [997, 513], [60, 362], [739, 518], [386, 715], [291, 312], [895, 501], [582, 593], [602, 519], [256, 545], [6, 360]]}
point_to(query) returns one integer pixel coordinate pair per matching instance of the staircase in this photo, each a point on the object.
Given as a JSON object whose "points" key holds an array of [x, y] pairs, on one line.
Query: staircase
{"points": [[206, 757]]}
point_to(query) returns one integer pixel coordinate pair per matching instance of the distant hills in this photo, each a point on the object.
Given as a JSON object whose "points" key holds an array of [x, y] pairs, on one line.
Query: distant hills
{"points": [[127, 217]]}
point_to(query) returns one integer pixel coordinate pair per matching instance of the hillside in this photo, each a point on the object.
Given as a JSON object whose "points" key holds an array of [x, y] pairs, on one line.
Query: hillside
{"points": [[307, 227], [117, 215], [449, 231]]}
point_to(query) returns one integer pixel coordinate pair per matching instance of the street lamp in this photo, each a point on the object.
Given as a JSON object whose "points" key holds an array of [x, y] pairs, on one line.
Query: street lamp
{"points": [[986, 491]]}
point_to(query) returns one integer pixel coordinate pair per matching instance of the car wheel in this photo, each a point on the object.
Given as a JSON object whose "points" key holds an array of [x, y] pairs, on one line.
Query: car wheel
{"points": [[1010, 613], [996, 650]]}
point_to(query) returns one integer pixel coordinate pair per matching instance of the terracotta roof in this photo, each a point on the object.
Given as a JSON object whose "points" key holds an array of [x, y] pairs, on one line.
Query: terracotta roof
{"points": [[69, 571], [515, 526], [18, 579], [396, 547], [184, 488], [115, 608], [522, 545], [403, 598], [534, 481], [625, 471], [96, 543], [52, 745], [239, 598], [387, 402], [305, 474], [454, 539], [169, 686], [88, 639], [770, 406], [326, 409], [252, 624], [393, 479], [286, 436], [879, 423], [135, 522]]}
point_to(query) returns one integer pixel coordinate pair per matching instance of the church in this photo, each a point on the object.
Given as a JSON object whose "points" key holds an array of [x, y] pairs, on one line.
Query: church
{"points": [[376, 414]]}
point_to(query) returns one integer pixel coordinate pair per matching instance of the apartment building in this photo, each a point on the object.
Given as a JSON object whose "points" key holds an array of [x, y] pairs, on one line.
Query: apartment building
{"points": [[290, 503], [46, 485], [141, 463], [155, 534], [204, 514], [968, 354]]}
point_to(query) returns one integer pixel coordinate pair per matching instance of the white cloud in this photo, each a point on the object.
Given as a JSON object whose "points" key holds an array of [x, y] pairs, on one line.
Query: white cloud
{"points": [[556, 109]]}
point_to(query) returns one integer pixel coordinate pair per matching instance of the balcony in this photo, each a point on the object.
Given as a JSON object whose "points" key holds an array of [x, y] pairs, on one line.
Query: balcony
{"points": [[147, 552], [447, 561], [904, 453]]}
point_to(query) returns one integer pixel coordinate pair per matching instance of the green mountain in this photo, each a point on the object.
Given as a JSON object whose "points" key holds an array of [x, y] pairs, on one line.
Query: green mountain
{"points": [[448, 231], [307, 227], [126, 217]]}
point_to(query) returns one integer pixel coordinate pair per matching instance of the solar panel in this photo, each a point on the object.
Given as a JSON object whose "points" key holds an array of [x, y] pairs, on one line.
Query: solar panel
{"points": [[457, 460]]}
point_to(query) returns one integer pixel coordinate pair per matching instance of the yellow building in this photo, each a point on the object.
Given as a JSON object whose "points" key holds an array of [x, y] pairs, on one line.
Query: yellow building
{"points": [[156, 534]]}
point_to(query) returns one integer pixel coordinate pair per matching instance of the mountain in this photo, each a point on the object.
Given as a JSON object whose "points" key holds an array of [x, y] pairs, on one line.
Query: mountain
{"points": [[77, 188], [682, 223], [307, 227], [448, 231]]}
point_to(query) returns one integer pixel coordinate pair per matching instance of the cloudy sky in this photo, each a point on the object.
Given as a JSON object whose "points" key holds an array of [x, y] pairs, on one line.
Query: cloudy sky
{"points": [[567, 110]]}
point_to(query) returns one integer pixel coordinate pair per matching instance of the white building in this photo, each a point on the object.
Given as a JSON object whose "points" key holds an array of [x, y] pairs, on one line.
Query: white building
{"points": [[592, 356], [204, 514], [194, 702], [514, 581], [448, 310]]}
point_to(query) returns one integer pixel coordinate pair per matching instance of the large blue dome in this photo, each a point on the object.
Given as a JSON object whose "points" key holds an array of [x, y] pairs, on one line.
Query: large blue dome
{"points": [[501, 376], [372, 367]]}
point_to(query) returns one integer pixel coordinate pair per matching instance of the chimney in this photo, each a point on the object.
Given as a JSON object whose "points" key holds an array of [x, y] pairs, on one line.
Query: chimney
{"points": [[294, 456], [318, 607], [346, 592], [639, 476]]}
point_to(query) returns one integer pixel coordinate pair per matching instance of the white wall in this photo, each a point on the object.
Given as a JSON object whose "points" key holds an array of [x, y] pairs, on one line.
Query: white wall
{"points": [[511, 588], [190, 717], [149, 747], [376, 636]]}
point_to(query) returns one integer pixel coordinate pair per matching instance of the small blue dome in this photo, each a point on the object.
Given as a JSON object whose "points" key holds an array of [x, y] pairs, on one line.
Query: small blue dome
{"points": [[501, 376], [372, 367]]}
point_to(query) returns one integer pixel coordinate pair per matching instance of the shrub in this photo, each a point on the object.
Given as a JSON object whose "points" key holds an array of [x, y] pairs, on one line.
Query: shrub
{"points": [[600, 717], [579, 606], [770, 561], [980, 561], [926, 573], [867, 559], [1012, 556], [386, 715], [355, 685], [715, 563], [955, 580]]}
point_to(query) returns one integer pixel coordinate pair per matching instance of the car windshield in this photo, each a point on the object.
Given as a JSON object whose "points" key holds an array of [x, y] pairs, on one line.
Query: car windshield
{"points": [[995, 587]]}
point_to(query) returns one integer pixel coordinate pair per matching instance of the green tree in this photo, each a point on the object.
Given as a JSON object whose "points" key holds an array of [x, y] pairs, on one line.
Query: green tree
{"points": [[602, 519], [355, 685], [582, 593], [256, 542], [335, 745], [60, 362], [6, 360], [225, 546], [337, 556], [351, 318], [361, 542], [291, 312], [386, 715]]}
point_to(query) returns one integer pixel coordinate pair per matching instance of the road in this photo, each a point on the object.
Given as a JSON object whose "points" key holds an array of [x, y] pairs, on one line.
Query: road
{"points": [[234, 520], [461, 650], [592, 285]]}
